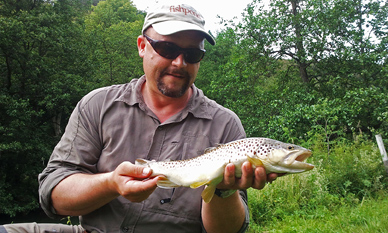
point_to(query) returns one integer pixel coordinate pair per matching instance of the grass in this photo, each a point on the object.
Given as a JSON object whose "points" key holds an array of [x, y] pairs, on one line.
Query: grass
{"points": [[369, 216], [345, 192]]}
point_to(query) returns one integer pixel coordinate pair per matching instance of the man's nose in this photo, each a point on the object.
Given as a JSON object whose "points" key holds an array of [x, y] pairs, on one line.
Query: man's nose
{"points": [[180, 61]]}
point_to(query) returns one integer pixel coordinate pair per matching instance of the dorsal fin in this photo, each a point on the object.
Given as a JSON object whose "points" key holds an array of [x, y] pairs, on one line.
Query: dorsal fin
{"points": [[141, 162], [210, 149]]}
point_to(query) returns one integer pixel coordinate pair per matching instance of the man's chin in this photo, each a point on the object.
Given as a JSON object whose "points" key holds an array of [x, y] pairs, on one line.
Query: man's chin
{"points": [[173, 86], [171, 93]]}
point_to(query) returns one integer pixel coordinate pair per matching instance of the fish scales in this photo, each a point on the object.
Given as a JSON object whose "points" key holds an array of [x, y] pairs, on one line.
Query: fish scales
{"points": [[208, 168]]}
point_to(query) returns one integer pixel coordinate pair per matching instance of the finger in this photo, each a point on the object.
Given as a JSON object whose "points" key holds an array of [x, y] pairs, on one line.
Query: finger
{"points": [[260, 178], [141, 190], [247, 177], [271, 177], [148, 185], [229, 178]]}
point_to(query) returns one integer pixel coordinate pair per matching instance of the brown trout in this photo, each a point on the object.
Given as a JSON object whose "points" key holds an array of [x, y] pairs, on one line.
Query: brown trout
{"points": [[208, 168]]}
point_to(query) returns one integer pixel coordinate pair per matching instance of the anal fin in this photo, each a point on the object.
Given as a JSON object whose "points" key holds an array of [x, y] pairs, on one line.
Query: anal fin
{"points": [[208, 193]]}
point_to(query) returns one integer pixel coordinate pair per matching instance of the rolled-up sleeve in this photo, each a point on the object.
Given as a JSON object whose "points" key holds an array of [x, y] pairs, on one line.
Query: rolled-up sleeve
{"points": [[244, 197], [77, 152]]}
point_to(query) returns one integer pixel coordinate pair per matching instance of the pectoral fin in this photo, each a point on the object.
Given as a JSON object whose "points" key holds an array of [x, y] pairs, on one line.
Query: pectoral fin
{"points": [[166, 183], [254, 161]]}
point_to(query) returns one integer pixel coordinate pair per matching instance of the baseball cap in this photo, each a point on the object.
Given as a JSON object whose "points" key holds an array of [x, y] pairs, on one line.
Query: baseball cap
{"points": [[172, 18]]}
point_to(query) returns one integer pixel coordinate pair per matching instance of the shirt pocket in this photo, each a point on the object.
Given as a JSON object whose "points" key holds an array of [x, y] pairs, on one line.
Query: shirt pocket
{"points": [[188, 146]]}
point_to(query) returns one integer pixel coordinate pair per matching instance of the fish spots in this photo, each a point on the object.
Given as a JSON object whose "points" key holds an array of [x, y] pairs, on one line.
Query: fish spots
{"points": [[232, 152]]}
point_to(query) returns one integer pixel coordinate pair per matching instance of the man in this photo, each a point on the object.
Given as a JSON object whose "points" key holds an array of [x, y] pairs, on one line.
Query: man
{"points": [[160, 116]]}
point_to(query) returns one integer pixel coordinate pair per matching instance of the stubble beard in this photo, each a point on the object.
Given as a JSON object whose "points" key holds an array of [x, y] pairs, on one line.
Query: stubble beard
{"points": [[174, 93]]}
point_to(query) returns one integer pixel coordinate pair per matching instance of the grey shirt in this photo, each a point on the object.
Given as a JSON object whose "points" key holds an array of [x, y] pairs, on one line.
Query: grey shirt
{"points": [[113, 124]]}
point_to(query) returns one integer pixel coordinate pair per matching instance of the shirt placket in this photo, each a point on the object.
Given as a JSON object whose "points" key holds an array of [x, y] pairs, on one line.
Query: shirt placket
{"points": [[157, 143]]}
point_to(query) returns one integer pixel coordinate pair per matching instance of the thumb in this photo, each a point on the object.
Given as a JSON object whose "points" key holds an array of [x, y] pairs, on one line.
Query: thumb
{"points": [[129, 169], [140, 171], [146, 171]]}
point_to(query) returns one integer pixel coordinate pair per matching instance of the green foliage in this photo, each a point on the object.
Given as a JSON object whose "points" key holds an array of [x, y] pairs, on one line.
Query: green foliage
{"points": [[23, 147], [356, 169], [112, 29], [51, 54], [41, 65], [324, 39], [346, 73]]}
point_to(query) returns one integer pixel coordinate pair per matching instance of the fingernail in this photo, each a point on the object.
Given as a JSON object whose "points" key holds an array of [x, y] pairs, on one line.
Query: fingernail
{"points": [[146, 171], [248, 167], [262, 173]]}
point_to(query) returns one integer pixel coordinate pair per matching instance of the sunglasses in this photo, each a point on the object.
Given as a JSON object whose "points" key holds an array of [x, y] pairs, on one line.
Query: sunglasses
{"points": [[170, 50]]}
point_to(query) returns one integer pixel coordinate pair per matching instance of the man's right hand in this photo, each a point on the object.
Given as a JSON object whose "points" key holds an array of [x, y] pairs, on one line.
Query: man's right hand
{"points": [[81, 193], [133, 182]]}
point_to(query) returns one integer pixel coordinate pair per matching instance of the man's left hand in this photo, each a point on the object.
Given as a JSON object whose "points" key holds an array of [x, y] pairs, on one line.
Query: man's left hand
{"points": [[250, 178]]}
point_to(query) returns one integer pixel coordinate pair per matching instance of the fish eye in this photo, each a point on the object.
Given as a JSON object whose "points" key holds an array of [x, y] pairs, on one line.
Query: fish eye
{"points": [[290, 147]]}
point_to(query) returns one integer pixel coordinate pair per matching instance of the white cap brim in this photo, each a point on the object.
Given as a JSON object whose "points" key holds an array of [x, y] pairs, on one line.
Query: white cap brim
{"points": [[171, 27]]}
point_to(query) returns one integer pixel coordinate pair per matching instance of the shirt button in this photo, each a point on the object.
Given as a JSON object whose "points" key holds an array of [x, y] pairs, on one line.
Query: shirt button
{"points": [[125, 229]]}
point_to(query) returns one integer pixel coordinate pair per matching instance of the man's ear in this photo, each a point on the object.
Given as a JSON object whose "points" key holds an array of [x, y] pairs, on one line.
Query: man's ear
{"points": [[141, 45]]}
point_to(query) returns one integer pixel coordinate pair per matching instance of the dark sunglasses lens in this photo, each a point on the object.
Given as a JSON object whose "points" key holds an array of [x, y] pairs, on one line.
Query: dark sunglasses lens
{"points": [[166, 49], [171, 51], [194, 55]]}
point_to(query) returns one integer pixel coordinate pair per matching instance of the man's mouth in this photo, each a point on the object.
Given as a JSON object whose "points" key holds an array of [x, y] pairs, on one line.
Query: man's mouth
{"points": [[175, 75]]}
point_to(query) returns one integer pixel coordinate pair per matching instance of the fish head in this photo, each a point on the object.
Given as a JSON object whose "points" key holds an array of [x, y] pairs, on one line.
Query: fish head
{"points": [[282, 157]]}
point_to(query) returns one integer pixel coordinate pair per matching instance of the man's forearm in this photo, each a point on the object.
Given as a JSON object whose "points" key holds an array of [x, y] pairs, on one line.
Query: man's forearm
{"points": [[81, 194], [223, 214]]}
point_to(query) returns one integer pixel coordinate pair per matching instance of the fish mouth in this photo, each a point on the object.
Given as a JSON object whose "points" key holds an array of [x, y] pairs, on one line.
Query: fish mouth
{"points": [[303, 155], [298, 160]]}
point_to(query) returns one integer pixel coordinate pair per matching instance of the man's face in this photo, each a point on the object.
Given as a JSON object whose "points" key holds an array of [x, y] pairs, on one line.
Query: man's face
{"points": [[171, 77]]}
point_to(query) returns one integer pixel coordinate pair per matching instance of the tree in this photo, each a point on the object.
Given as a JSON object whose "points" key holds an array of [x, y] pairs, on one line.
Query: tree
{"points": [[321, 36], [290, 57], [51, 54], [112, 28], [41, 64]]}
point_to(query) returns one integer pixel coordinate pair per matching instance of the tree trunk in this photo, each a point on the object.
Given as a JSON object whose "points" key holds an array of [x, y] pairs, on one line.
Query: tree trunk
{"points": [[56, 121], [300, 50]]}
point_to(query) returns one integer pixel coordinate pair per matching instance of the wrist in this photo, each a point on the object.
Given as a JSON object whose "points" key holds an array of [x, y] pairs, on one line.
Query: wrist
{"points": [[108, 179], [224, 193]]}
